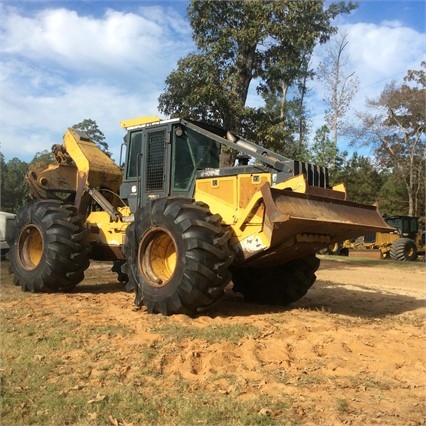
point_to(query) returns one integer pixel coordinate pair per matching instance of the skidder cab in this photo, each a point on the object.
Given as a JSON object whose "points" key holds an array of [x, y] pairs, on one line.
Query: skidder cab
{"points": [[179, 225]]}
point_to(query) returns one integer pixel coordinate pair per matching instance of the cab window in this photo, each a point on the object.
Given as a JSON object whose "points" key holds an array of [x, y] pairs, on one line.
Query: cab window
{"points": [[191, 152]]}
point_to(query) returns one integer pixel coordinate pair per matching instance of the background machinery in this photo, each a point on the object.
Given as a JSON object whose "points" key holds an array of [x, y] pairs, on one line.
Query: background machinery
{"points": [[178, 226], [404, 242], [6, 226]]}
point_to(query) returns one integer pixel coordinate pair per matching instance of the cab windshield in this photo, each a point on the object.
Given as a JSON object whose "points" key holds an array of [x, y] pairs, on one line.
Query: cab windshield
{"points": [[191, 152]]}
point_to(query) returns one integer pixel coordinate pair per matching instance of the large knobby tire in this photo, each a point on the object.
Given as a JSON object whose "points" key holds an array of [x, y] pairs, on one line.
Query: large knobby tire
{"points": [[177, 256], [403, 249], [49, 252], [276, 285]]}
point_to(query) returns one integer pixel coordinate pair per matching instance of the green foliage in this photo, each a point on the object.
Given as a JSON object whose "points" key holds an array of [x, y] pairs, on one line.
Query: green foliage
{"points": [[92, 130], [267, 42], [14, 191], [41, 160], [362, 179], [269, 130], [392, 196], [367, 183], [195, 90], [323, 150], [394, 127]]}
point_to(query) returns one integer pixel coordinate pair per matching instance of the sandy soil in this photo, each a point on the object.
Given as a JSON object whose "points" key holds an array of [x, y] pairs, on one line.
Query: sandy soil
{"points": [[350, 352]]}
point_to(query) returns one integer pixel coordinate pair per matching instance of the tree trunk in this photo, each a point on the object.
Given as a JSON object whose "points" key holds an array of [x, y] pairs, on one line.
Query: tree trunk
{"points": [[240, 82]]}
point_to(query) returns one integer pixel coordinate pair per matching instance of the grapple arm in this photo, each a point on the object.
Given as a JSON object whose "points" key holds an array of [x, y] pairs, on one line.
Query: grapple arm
{"points": [[81, 167]]}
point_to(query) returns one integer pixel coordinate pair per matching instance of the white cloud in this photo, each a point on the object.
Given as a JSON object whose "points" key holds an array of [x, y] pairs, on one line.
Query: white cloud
{"points": [[36, 122], [114, 41], [395, 23], [60, 67], [383, 50]]}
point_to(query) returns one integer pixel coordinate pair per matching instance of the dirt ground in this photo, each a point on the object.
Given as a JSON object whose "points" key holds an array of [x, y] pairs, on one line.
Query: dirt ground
{"points": [[352, 351]]}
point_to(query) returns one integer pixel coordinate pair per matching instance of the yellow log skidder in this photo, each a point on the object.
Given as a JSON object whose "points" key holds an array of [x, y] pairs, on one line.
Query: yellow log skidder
{"points": [[178, 226]]}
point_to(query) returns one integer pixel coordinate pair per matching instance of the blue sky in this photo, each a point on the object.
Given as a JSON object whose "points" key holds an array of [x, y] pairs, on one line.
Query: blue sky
{"points": [[65, 61]]}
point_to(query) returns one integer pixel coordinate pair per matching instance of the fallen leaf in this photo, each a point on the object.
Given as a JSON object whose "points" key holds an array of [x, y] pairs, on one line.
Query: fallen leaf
{"points": [[113, 421], [265, 412], [77, 387], [268, 412], [98, 398], [93, 416]]}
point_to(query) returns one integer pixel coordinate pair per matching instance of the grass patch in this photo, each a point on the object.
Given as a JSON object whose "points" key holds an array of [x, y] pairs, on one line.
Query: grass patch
{"points": [[368, 382], [42, 381], [55, 369], [310, 379], [342, 406], [143, 404], [183, 405], [418, 265], [415, 319], [213, 334]]}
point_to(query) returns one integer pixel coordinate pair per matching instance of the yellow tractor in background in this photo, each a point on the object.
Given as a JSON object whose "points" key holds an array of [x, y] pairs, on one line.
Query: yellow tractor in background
{"points": [[177, 226], [404, 242]]}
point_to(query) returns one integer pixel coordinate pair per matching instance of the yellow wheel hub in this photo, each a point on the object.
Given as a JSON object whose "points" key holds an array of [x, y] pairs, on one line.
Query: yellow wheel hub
{"points": [[30, 247], [157, 257]]}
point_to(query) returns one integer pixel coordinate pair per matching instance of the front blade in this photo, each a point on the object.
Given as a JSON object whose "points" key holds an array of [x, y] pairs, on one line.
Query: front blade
{"points": [[298, 223]]}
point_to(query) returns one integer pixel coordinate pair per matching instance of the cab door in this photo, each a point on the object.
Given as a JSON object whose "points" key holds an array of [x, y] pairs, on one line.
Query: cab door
{"points": [[154, 176], [147, 165]]}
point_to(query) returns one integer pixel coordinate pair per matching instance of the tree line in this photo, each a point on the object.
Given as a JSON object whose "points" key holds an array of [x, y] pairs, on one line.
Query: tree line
{"points": [[269, 45]]}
